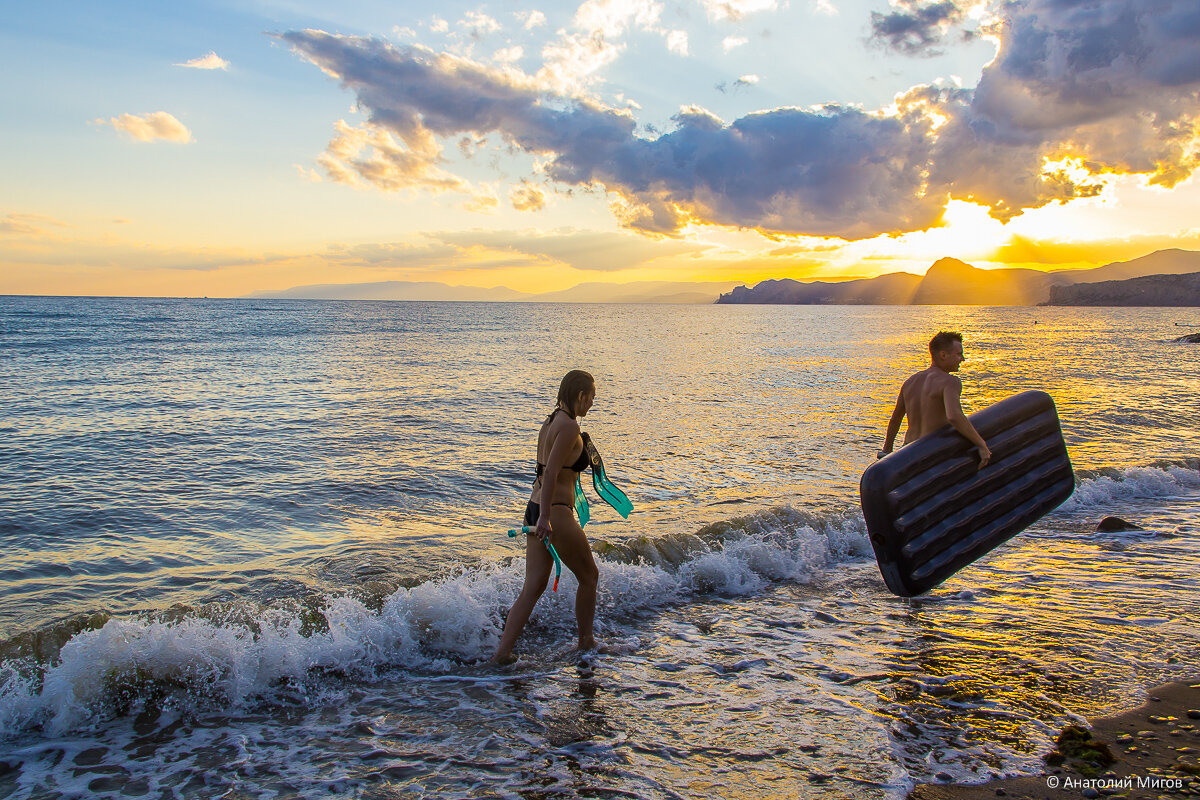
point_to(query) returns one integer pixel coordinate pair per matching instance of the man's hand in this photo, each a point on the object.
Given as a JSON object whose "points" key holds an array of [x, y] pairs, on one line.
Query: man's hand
{"points": [[985, 455]]}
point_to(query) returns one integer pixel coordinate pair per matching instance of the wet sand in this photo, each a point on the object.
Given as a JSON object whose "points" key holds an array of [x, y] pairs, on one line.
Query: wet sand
{"points": [[1156, 749]]}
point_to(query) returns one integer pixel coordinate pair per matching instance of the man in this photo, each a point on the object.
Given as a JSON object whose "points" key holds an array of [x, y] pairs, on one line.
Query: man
{"points": [[932, 398]]}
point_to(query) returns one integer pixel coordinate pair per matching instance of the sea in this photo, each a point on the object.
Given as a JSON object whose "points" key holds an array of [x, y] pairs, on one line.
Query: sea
{"points": [[257, 549]]}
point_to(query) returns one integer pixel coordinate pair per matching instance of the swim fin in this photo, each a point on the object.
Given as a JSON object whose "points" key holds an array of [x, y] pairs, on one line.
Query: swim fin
{"points": [[604, 487], [581, 503]]}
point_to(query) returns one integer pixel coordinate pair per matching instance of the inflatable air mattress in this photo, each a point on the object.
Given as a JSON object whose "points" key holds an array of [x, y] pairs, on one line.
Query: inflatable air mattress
{"points": [[930, 511]]}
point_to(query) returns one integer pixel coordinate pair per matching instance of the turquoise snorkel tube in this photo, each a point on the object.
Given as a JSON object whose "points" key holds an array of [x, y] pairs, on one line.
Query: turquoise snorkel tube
{"points": [[553, 553]]}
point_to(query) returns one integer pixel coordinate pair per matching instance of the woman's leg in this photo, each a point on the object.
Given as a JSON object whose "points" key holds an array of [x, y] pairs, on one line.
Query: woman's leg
{"points": [[537, 572], [574, 550]]}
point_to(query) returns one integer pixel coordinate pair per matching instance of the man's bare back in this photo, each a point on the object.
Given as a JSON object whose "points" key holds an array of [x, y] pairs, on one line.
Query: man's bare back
{"points": [[933, 397], [925, 395]]}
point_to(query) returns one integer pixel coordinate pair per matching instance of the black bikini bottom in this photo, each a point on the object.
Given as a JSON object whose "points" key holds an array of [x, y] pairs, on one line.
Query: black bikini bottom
{"points": [[533, 510]]}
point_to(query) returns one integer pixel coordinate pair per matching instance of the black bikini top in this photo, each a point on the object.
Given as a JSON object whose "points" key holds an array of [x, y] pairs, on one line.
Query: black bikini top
{"points": [[581, 463]]}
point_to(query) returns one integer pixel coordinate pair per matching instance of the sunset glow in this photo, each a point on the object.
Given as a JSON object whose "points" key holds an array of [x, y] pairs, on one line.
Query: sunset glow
{"points": [[272, 147]]}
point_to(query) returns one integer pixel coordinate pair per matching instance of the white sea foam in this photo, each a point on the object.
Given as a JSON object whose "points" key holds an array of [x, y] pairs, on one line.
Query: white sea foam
{"points": [[432, 627], [1137, 483]]}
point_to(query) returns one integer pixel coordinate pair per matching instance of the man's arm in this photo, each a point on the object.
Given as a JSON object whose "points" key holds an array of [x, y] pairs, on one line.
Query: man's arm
{"points": [[952, 395], [893, 427]]}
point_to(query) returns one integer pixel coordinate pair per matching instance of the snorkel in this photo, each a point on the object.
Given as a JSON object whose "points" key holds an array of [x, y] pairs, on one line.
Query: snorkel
{"points": [[553, 553]]}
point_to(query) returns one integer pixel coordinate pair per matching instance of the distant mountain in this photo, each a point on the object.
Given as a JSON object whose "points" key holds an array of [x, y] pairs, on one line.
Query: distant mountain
{"points": [[949, 281], [952, 282], [1160, 262], [393, 290], [700, 292], [1151, 290], [638, 292], [893, 289]]}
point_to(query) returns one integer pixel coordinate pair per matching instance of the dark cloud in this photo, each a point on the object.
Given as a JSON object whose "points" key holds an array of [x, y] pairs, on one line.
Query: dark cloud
{"points": [[837, 171], [915, 28], [1112, 84]]}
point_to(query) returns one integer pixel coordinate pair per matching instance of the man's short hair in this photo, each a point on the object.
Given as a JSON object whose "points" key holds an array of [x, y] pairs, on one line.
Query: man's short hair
{"points": [[942, 341]]}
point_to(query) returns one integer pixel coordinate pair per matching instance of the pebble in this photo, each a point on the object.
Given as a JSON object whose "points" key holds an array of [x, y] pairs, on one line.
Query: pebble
{"points": [[1125, 737], [1194, 713], [1089, 792], [1001, 793], [945, 777]]}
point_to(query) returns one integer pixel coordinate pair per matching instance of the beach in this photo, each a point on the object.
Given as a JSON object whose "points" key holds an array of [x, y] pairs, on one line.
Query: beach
{"points": [[258, 548], [1154, 746]]}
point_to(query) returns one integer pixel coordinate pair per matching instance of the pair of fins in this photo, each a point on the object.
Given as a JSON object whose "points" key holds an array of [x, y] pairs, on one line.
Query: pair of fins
{"points": [[600, 482]]}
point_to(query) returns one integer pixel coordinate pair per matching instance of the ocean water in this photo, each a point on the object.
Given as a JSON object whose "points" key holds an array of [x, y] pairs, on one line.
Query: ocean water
{"points": [[256, 549]]}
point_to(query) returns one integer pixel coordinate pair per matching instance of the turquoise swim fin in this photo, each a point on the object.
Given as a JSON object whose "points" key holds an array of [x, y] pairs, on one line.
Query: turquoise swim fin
{"points": [[604, 487], [581, 503]]}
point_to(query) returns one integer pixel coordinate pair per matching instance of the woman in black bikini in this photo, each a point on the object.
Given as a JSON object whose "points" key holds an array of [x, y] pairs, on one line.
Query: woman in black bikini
{"points": [[561, 457]]}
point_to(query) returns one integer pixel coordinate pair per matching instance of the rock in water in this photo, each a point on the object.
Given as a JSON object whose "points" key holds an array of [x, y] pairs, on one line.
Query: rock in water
{"points": [[1115, 525], [1190, 338]]}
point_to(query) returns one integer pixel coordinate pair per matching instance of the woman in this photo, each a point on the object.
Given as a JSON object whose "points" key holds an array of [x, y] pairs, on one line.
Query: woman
{"points": [[560, 458]]}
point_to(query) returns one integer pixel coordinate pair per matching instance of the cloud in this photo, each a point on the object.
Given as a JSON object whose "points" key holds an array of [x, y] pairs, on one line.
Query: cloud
{"points": [[508, 55], [479, 24], [730, 42], [527, 197], [734, 10], [531, 19], [836, 171], [1077, 92], [746, 80], [1112, 87], [422, 255], [438, 25], [915, 27], [573, 60], [585, 250], [677, 42], [113, 253], [610, 18], [28, 224], [209, 61], [149, 127], [826, 7], [371, 154]]}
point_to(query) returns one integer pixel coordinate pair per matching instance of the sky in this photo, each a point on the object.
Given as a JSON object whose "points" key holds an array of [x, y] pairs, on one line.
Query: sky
{"points": [[225, 148]]}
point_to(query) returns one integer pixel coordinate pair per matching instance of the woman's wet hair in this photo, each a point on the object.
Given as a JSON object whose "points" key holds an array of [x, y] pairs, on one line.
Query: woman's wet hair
{"points": [[573, 383], [942, 341]]}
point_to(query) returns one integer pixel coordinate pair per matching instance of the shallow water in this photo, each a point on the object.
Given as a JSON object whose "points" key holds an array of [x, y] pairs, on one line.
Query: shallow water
{"points": [[279, 527]]}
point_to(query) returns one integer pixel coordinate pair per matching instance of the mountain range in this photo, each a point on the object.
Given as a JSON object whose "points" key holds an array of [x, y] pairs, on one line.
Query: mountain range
{"points": [[949, 281], [594, 292]]}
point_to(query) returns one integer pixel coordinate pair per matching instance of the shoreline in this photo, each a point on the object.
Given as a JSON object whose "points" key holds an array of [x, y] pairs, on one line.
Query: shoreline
{"points": [[1155, 747]]}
